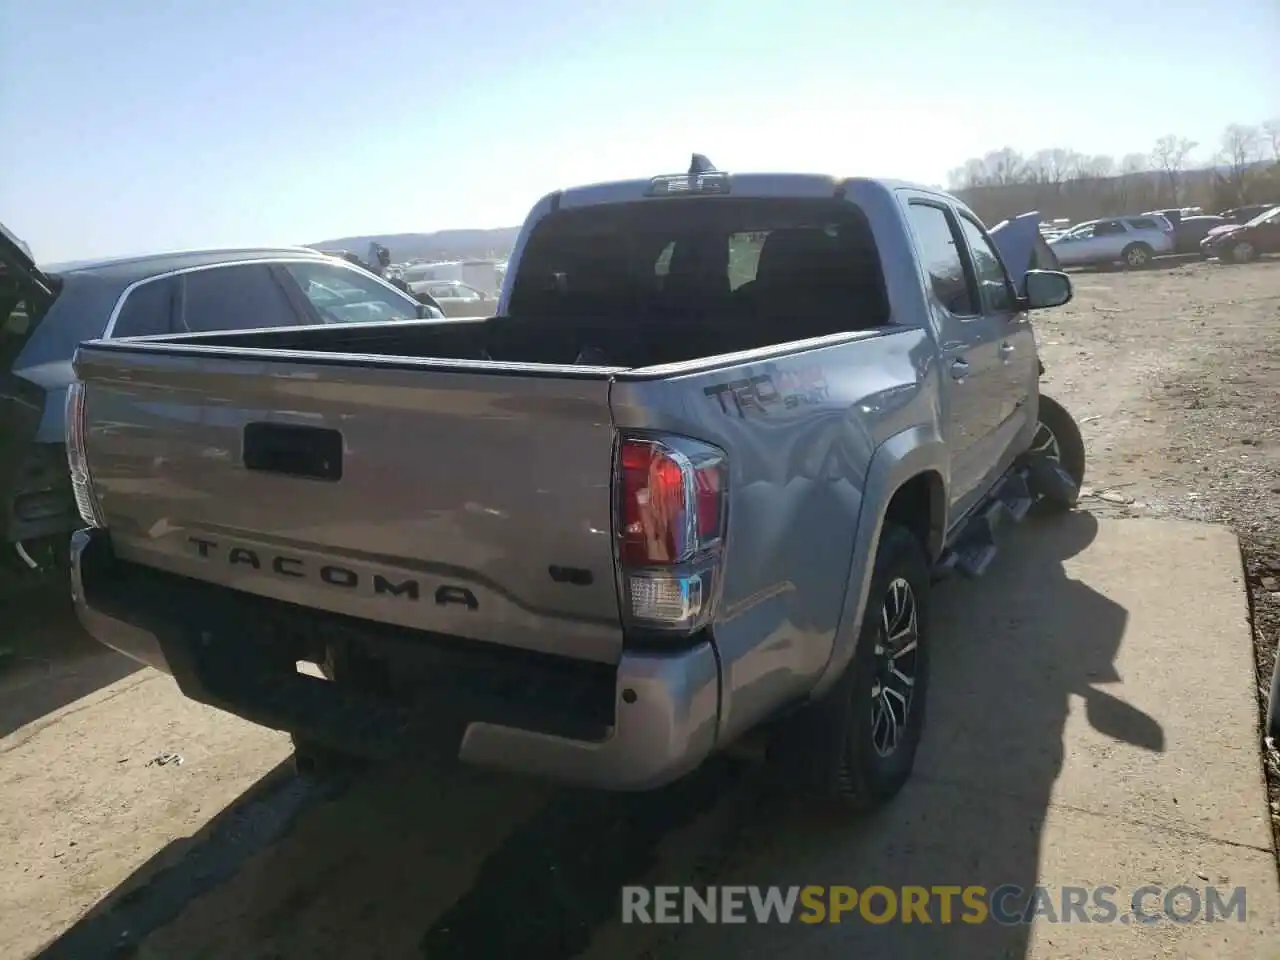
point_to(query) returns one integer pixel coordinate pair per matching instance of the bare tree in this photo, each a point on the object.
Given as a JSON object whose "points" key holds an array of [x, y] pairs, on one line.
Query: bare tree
{"points": [[1060, 182], [1053, 166], [972, 173], [1130, 186], [1170, 155], [1271, 131], [1132, 163], [1097, 167], [1241, 149], [1004, 166]]}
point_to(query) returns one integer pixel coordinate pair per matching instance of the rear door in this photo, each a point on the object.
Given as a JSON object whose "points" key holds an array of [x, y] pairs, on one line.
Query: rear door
{"points": [[1017, 371], [1076, 246], [1110, 237], [968, 340]]}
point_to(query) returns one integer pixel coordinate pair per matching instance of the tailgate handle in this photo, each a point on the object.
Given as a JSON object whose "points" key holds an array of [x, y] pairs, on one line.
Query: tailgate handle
{"points": [[314, 453]]}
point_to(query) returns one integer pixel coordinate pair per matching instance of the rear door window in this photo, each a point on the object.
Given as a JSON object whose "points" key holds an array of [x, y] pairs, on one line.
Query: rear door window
{"points": [[239, 297], [147, 310]]}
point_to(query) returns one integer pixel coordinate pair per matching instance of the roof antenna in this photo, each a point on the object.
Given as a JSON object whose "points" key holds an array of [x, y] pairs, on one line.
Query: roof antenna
{"points": [[700, 164]]}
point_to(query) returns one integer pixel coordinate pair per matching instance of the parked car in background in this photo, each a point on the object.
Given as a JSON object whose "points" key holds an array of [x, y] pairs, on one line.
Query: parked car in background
{"points": [[1242, 215], [455, 298], [193, 292], [1174, 215], [1133, 241], [1240, 243], [1189, 231], [483, 274]]}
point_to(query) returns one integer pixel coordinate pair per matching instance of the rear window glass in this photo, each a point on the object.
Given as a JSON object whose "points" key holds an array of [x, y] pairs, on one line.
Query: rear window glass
{"points": [[1143, 223], [242, 297], [766, 258], [146, 311]]}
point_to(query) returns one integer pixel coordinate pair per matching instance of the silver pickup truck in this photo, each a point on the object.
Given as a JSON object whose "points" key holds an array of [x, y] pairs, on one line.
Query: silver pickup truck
{"points": [[692, 482]]}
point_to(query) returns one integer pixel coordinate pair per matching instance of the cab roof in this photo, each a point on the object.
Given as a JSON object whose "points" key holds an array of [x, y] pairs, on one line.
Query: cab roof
{"points": [[131, 269]]}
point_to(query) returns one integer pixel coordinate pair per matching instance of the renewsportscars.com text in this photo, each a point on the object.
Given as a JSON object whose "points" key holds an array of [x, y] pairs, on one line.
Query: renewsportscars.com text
{"points": [[943, 904]]}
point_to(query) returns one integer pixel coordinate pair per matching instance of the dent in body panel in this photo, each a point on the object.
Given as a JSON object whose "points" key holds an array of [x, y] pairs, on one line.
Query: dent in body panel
{"points": [[797, 487]]}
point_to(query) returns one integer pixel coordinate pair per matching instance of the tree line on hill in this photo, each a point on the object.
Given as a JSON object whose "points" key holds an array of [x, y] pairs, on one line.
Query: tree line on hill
{"points": [[1243, 168]]}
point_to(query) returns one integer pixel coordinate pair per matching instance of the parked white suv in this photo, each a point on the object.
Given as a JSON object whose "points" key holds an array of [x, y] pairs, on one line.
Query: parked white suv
{"points": [[1133, 241]]}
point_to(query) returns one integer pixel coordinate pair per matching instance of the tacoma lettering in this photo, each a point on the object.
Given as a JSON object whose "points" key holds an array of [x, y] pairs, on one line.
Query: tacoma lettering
{"points": [[330, 574]]}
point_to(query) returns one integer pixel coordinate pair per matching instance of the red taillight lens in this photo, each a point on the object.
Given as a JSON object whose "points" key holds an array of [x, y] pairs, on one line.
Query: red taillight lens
{"points": [[671, 516], [671, 501], [708, 498]]}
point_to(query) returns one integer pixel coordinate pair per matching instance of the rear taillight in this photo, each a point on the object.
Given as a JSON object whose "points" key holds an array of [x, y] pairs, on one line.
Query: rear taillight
{"points": [[671, 515], [81, 481]]}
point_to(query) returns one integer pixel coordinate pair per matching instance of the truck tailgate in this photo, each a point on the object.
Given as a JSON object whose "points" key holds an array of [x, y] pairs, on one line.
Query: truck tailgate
{"points": [[473, 504]]}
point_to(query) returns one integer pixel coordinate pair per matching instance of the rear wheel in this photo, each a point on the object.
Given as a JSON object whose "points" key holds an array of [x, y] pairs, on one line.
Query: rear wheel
{"points": [[1242, 251], [1058, 438], [858, 744], [1137, 255]]}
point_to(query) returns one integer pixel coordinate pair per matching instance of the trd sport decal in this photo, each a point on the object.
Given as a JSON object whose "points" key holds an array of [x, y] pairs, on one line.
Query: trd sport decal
{"points": [[775, 389]]}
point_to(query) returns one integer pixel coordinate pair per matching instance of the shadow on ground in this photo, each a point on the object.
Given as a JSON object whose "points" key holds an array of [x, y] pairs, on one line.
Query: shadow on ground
{"points": [[1012, 652], [408, 862], [46, 660]]}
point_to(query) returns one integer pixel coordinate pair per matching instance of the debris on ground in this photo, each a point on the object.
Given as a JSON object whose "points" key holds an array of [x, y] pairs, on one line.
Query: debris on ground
{"points": [[164, 759]]}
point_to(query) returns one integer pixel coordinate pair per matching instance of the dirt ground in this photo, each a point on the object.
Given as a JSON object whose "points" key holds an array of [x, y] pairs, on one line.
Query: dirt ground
{"points": [[113, 847]]}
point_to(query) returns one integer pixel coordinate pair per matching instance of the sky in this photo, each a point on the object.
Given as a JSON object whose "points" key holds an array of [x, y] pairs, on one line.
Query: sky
{"points": [[135, 126]]}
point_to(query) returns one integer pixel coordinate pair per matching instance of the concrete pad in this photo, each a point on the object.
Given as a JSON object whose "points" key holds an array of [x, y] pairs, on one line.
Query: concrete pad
{"points": [[84, 807], [1092, 721], [1141, 642]]}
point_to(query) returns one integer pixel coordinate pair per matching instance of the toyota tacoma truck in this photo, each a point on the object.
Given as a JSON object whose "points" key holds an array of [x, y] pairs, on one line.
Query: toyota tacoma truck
{"points": [[691, 483]]}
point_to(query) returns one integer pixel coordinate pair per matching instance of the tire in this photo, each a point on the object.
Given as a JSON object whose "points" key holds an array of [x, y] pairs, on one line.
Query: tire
{"points": [[1241, 252], [840, 749], [1137, 255], [1058, 431]]}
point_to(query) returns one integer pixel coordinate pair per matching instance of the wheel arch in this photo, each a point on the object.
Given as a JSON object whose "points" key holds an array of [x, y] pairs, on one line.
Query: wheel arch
{"points": [[908, 475], [920, 505]]}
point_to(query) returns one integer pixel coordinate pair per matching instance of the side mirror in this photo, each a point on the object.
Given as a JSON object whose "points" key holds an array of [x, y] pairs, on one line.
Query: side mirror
{"points": [[1046, 288]]}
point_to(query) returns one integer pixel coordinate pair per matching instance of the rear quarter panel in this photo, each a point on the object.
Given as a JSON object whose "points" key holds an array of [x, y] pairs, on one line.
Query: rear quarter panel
{"points": [[80, 313], [801, 431]]}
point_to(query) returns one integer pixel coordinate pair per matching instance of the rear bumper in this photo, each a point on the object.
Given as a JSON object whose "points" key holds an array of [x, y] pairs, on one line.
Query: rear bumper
{"points": [[635, 726]]}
